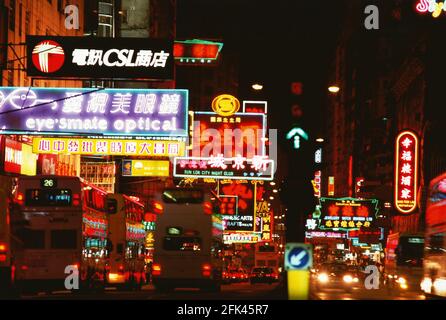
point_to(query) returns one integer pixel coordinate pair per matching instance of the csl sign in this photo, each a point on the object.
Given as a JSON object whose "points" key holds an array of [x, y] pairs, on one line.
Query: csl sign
{"points": [[101, 58]]}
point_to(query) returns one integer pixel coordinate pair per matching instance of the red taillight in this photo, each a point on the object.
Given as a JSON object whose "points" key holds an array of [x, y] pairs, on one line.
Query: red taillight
{"points": [[20, 198], [156, 269], [206, 270], [2, 257], [3, 247], [76, 199], [24, 268], [207, 207], [121, 269]]}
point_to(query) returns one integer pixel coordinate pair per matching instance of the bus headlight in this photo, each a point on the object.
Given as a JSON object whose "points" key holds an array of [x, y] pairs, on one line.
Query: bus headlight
{"points": [[323, 277], [348, 278], [426, 285], [440, 286]]}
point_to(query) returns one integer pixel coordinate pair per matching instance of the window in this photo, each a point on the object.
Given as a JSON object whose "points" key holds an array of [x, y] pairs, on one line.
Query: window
{"points": [[63, 239], [32, 239], [12, 15], [182, 244]]}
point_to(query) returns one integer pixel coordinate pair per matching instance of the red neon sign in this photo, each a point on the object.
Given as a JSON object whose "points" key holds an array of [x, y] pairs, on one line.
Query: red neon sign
{"points": [[406, 172]]}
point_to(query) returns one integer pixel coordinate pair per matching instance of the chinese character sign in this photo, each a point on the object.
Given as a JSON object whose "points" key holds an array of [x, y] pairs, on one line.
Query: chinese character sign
{"points": [[100, 58], [124, 112], [406, 172], [347, 213]]}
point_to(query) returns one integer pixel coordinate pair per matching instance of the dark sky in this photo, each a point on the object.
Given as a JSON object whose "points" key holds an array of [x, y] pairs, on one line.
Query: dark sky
{"points": [[279, 41]]}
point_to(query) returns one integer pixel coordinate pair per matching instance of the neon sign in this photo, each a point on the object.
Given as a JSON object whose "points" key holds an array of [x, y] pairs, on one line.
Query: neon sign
{"points": [[225, 105], [406, 172], [130, 112], [347, 213], [431, 6], [241, 238], [257, 168]]}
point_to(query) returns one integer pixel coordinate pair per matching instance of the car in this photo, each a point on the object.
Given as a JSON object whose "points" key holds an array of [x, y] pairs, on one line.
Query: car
{"points": [[263, 275], [337, 275], [235, 276]]}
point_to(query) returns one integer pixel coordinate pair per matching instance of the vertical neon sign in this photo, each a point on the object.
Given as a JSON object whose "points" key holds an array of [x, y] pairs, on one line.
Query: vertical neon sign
{"points": [[406, 172]]}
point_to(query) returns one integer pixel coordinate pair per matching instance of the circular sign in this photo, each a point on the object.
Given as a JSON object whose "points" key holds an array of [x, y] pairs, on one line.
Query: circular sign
{"points": [[225, 105], [48, 56]]}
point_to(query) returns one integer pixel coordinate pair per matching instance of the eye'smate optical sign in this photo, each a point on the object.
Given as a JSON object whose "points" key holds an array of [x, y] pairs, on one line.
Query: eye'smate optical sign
{"points": [[113, 112], [406, 172], [101, 58]]}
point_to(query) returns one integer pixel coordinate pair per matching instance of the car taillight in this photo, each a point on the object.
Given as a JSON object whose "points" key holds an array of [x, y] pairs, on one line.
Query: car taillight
{"points": [[206, 270], [207, 207], [24, 268], [2, 257], [156, 269], [20, 198], [121, 268], [3, 247]]}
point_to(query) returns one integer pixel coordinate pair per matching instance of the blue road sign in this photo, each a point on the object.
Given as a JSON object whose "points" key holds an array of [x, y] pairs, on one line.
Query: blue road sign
{"points": [[298, 256]]}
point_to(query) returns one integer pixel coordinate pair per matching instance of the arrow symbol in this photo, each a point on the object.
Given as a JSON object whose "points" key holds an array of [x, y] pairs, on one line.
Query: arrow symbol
{"points": [[296, 131], [296, 259]]}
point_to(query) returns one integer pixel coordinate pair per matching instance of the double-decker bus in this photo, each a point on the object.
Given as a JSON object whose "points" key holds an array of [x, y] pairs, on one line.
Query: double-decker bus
{"points": [[61, 223], [127, 243], [267, 255], [189, 249], [434, 281], [403, 266]]}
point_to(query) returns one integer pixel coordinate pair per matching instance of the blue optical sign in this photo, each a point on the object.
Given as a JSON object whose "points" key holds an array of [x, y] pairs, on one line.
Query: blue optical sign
{"points": [[92, 111]]}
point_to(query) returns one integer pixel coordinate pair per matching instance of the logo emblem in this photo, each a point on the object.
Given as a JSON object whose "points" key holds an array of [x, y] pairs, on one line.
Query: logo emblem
{"points": [[225, 105], [48, 56]]}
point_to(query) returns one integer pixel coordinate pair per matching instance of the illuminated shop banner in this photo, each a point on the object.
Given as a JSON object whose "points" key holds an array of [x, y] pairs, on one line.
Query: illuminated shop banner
{"points": [[228, 205], [347, 213], [229, 238], [323, 234], [113, 112], [235, 134], [257, 168], [145, 168], [406, 172], [105, 147], [265, 216], [18, 157], [255, 107], [102, 58], [238, 222]]}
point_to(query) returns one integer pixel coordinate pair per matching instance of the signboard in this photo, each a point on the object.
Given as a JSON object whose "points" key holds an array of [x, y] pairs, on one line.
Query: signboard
{"points": [[257, 168], [238, 222], [130, 112], [105, 147], [324, 234], [102, 58], [229, 238], [431, 6], [19, 158], [239, 134], [331, 186], [101, 174], [372, 235], [436, 204], [198, 52], [347, 213], [228, 205], [255, 107], [145, 168], [298, 256], [406, 172], [317, 181], [265, 215]]}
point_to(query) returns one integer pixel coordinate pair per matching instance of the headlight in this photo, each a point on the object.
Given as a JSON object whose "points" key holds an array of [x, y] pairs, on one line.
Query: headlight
{"points": [[355, 279], [323, 277], [401, 281], [426, 285], [348, 278]]}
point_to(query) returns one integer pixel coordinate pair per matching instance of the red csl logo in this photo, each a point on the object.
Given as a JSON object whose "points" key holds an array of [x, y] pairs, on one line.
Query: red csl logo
{"points": [[48, 56]]}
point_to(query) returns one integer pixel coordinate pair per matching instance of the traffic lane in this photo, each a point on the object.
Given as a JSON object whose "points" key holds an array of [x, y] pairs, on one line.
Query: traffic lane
{"points": [[239, 291], [361, 293]]}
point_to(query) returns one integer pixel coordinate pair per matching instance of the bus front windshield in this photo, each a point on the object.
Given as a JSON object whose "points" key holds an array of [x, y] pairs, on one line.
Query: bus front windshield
{"points": [[410, 251]]}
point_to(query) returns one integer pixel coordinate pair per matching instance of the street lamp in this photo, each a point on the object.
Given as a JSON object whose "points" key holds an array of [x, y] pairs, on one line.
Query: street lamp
{"points": [[334, 89], [320, 140], [257, 86], [272, 183]]}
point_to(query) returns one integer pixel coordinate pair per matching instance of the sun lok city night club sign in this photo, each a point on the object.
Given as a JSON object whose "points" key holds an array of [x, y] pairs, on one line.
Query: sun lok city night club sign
{"points": [[112, 112], [406, 172], [102, 58]]}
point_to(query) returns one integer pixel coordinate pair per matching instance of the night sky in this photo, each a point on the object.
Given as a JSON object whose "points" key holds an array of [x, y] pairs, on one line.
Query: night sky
{"points": [[278, 42]]}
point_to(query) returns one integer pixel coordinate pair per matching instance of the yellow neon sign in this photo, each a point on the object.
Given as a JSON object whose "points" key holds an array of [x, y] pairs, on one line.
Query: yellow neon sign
{"points": [[225, 105]]}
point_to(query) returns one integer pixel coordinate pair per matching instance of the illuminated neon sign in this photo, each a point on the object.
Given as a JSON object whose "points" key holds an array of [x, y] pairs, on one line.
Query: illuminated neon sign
{"points": [[117, 147], [431, 6], [257, 168], [225, 105], [196, 51], [406, 172], [241, 238], [130, 112]]}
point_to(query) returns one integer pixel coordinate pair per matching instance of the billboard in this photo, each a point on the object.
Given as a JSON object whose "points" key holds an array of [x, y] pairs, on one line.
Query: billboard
{"points": [[347, 213], [145, 168], [112, 112], [106, 147], [18, 157], [101, 58]]}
